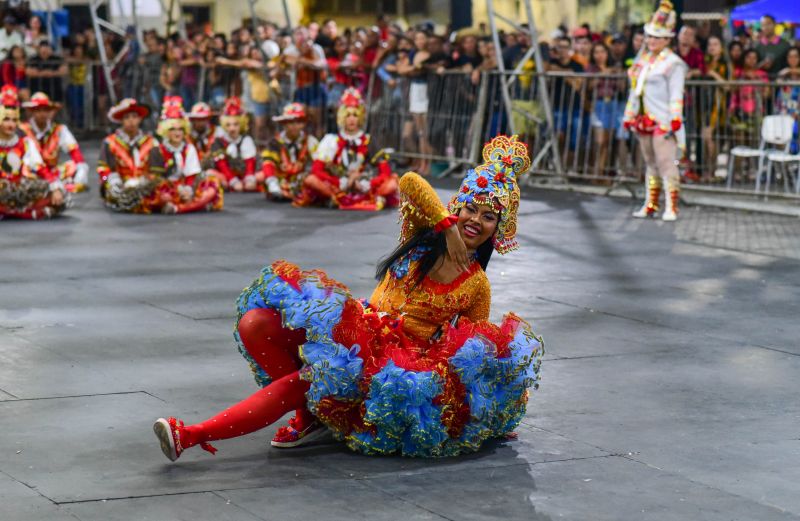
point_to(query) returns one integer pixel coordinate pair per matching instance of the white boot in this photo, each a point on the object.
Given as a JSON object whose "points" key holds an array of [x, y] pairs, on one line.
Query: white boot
{"points": [[671, 206], [650, 206]]}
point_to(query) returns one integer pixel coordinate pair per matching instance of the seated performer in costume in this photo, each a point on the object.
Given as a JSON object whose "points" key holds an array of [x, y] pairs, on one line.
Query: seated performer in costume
{"points": [[126, 183], [234, 152], [202, 132], [177, 160], [52, 138], [28, 189], [418, 370], [288, 155], [341, 174]]}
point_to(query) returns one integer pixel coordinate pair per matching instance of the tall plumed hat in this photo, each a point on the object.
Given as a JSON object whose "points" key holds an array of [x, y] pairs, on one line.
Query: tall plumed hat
{"points": [[9, 97], [662, 24], [494, 183], [9, 102], [233, 107], [172, 108], [351, 102], [172, 114]]}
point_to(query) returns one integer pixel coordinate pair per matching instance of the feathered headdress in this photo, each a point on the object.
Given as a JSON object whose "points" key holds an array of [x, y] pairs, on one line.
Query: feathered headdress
{"points": [[494, 183], [172, 114], [233, 109], [662, 24], [9, 102], [351, 102]]}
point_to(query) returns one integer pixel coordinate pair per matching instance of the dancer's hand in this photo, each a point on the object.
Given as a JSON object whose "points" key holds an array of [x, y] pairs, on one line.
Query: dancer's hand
{"points": [[57, 198], [456, 249]]}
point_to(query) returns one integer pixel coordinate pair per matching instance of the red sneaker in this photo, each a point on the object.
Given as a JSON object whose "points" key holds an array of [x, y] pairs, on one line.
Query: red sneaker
{"points": [[288, 436], [168, 432]]}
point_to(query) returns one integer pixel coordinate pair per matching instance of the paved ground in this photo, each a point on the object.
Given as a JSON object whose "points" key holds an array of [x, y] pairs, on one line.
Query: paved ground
{"points": [[669, 389]]}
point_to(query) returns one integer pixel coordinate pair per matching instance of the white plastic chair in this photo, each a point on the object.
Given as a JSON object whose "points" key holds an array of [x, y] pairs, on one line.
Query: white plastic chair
{"points": [[785, 159], [776, 133]]}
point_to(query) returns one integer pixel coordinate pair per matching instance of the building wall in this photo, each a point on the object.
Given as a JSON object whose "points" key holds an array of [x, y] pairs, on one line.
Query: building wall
{"points": [[228, 14]]}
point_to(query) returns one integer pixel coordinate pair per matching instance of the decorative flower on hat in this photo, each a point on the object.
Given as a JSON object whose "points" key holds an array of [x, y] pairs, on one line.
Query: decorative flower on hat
{"points": [[494, 183], [351, 97], [233, 107], [200, 110], [40, 100], [172, 108], [9, 96], [126, 106], [662, 24], [172, 116], [291, 112], [351, 102]]}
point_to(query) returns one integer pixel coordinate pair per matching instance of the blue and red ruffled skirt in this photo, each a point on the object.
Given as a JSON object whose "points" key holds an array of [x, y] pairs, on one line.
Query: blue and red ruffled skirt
{"points": [[383, 391]]}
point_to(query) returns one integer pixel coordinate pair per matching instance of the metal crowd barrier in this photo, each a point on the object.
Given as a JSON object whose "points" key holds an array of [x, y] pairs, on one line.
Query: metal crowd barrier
{"points": [[465, 110], [594, 146], [445, 128]]}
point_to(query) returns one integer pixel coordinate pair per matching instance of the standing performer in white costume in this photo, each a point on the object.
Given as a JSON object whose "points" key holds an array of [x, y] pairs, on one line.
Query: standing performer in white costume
{"points": [[655, 112]]}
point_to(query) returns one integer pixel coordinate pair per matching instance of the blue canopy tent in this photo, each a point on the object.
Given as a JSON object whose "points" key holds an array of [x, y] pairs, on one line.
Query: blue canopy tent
{"points": [[782, 10]]}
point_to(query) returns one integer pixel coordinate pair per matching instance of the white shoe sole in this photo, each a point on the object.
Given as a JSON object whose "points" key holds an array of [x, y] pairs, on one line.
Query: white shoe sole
{"points": [[308, 438], [164, 434], [669, 218]]}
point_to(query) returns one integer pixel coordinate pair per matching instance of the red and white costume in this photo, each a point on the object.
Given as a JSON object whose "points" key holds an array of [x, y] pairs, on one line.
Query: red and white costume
{"points": [[179, 164], [54, 139], [286, 160], [202, 140], [126, 182], [342, 174], [27, 186], [235, 158]]}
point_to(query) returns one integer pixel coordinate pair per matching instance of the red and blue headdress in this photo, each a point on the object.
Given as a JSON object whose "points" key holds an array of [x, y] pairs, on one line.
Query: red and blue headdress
{"points": [[494, 183]]}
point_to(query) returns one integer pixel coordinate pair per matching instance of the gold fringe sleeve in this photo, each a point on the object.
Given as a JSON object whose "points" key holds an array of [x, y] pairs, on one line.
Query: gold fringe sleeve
{"points": [[420, 207]]}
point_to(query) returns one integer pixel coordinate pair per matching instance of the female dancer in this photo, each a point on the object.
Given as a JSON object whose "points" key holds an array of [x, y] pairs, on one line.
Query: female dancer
{"points": [[177, 160], [655, 112], [234, 151], [416, 370]]}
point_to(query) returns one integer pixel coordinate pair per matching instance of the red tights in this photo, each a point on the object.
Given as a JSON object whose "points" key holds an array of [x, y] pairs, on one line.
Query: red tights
{"points": [[275, 349]]}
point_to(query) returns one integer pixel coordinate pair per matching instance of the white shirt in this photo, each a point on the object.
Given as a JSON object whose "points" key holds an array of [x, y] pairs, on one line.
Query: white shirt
{"points": [[270, 49], [291, 50], [243, 143], [7, 41], [184, 167]]}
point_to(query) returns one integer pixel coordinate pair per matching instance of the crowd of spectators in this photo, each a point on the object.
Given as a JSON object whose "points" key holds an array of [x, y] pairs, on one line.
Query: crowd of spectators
{"points": [[268, 66]]}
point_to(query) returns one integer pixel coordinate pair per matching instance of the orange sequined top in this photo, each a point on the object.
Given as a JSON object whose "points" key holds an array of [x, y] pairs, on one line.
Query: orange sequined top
{"points": [[429, 305]]}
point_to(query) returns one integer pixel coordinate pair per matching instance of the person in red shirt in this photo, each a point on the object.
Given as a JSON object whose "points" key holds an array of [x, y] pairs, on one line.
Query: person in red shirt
{"points": [[688, 51]]}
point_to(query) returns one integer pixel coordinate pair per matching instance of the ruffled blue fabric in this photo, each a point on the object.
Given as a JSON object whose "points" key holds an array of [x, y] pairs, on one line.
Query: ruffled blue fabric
{"points": [[400, 404]]}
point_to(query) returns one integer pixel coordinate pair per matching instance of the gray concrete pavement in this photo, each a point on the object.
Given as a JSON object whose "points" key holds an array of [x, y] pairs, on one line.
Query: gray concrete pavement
{"points": [[669, 389]]}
